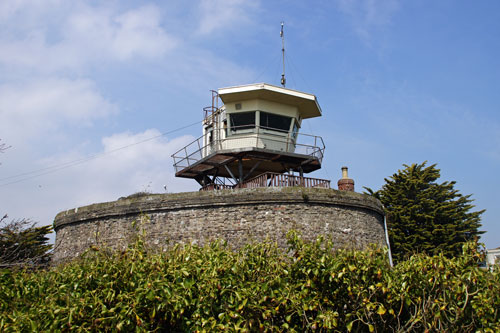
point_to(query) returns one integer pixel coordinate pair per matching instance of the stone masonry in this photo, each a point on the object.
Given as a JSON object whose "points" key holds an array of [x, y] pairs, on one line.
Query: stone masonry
{"points": [[239, 216]]}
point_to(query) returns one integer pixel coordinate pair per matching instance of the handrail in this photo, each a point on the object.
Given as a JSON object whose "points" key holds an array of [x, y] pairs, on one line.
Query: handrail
{"points": [[214, 187], [196, 150], [273, 179]]}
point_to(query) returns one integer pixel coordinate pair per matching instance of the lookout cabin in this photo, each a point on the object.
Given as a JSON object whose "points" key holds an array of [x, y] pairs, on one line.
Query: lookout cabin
{"points": [[251, 138]]}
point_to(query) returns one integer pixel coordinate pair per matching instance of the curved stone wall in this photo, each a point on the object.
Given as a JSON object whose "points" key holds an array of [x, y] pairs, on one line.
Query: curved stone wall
{"points": [[238, 216]]}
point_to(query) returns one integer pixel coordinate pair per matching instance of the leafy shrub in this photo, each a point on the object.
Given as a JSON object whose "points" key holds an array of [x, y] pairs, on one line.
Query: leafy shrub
{"points": [[257, 288]]}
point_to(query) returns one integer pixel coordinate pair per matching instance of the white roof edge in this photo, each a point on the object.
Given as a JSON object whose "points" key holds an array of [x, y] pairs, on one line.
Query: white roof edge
{"points": [[266, 86], [319, 107]]}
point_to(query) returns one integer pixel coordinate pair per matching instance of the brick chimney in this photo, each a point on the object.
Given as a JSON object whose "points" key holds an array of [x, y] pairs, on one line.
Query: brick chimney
{"points": [[345, 183]]}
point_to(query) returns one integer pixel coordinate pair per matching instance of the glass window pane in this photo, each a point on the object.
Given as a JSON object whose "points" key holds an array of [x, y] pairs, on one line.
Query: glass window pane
{"points": [[243, 120], [275, 122]]}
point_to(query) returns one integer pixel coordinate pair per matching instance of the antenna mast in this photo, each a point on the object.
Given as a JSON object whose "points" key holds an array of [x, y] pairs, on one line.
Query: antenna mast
{"points": [[282, 35]]}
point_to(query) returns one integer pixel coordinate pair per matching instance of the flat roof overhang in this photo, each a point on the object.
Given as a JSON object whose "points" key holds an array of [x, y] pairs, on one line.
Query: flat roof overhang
{"points": [[306, 103], [256, 160]]}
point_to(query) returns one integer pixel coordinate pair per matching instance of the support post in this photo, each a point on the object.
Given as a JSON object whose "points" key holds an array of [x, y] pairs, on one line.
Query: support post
{"points": [[252, 170], [240, 169], [301, 174], [229, 171], [214, 177]]}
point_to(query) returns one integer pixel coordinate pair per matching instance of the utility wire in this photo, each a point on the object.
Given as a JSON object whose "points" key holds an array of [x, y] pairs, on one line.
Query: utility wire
{"points": [[291, 74], [295, 68], [290, 61], [60, 166], [270, 64]]}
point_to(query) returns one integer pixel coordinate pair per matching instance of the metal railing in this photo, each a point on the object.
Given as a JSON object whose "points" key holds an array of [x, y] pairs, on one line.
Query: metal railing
{"points": [[258, 137], [213, 187], [271, 179]]}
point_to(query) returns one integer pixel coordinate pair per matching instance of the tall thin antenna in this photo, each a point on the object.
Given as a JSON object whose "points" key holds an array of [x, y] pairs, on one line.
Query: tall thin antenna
{"points": [[282, 35]]}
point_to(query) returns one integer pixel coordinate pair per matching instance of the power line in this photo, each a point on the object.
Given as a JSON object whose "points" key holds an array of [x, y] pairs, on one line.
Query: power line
{"points": [[291, 75], [290, 61], [270, 64], [60, 166]]}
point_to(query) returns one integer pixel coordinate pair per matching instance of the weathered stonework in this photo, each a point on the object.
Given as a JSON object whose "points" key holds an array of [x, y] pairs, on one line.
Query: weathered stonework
{"points": [[238, 216]]}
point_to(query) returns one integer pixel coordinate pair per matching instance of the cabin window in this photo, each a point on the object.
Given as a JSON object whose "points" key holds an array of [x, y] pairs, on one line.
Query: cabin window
{"points": [[242, 121], [209, 134], [275, 122]]}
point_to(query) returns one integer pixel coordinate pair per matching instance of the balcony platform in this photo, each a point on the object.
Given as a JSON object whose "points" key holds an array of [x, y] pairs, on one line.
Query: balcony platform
{"points": [[255, 161]]}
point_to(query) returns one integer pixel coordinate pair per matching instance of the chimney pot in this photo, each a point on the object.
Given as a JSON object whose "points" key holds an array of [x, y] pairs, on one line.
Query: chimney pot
{"points": [[345, 183], [344, 172]]}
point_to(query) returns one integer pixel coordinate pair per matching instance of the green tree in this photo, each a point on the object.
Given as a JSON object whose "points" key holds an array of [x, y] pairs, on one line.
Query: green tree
{"points": [[425, 216], [22, 243]]}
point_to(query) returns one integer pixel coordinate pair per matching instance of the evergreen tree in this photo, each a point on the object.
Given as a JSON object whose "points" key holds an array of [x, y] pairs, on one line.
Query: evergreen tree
{"points": [[424, 216], [23, 244]]}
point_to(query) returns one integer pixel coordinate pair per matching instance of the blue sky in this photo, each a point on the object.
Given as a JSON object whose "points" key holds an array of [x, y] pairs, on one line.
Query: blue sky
{"points": [[398, 82]]}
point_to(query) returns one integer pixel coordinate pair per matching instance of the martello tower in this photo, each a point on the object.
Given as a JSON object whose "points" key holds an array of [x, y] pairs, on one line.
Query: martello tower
{"points": [[251, 142]]}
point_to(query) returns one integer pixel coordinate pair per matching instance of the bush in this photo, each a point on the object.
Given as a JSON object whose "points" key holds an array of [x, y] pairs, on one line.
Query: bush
{"points": [[257, 288]]}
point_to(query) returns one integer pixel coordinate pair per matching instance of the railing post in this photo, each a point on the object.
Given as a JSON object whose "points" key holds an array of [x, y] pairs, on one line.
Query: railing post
{"points": [[287, 141]]}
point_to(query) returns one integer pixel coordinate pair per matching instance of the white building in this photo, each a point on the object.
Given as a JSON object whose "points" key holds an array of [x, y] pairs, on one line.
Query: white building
{"points": [[493, 257], [255, 133]]}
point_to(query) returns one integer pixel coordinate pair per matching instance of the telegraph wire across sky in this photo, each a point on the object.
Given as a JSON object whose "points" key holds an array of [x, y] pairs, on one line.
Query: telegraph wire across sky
{"points": [[54, 168]]}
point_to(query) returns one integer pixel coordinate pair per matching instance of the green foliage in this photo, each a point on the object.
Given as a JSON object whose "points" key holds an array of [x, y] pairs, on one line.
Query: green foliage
{"points": [[258, 288], [424, 216], [23, 244]]}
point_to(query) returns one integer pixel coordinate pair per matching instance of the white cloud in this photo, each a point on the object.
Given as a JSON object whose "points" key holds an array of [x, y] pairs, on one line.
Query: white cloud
{"points": [[9, 8], [136, 32], [368, 15], [224, 14], [86, 35], [142, 167], [45, 105]]}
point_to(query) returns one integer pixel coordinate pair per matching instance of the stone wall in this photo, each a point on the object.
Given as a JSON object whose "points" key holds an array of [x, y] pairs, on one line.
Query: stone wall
{"points": [[238, 216]]}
